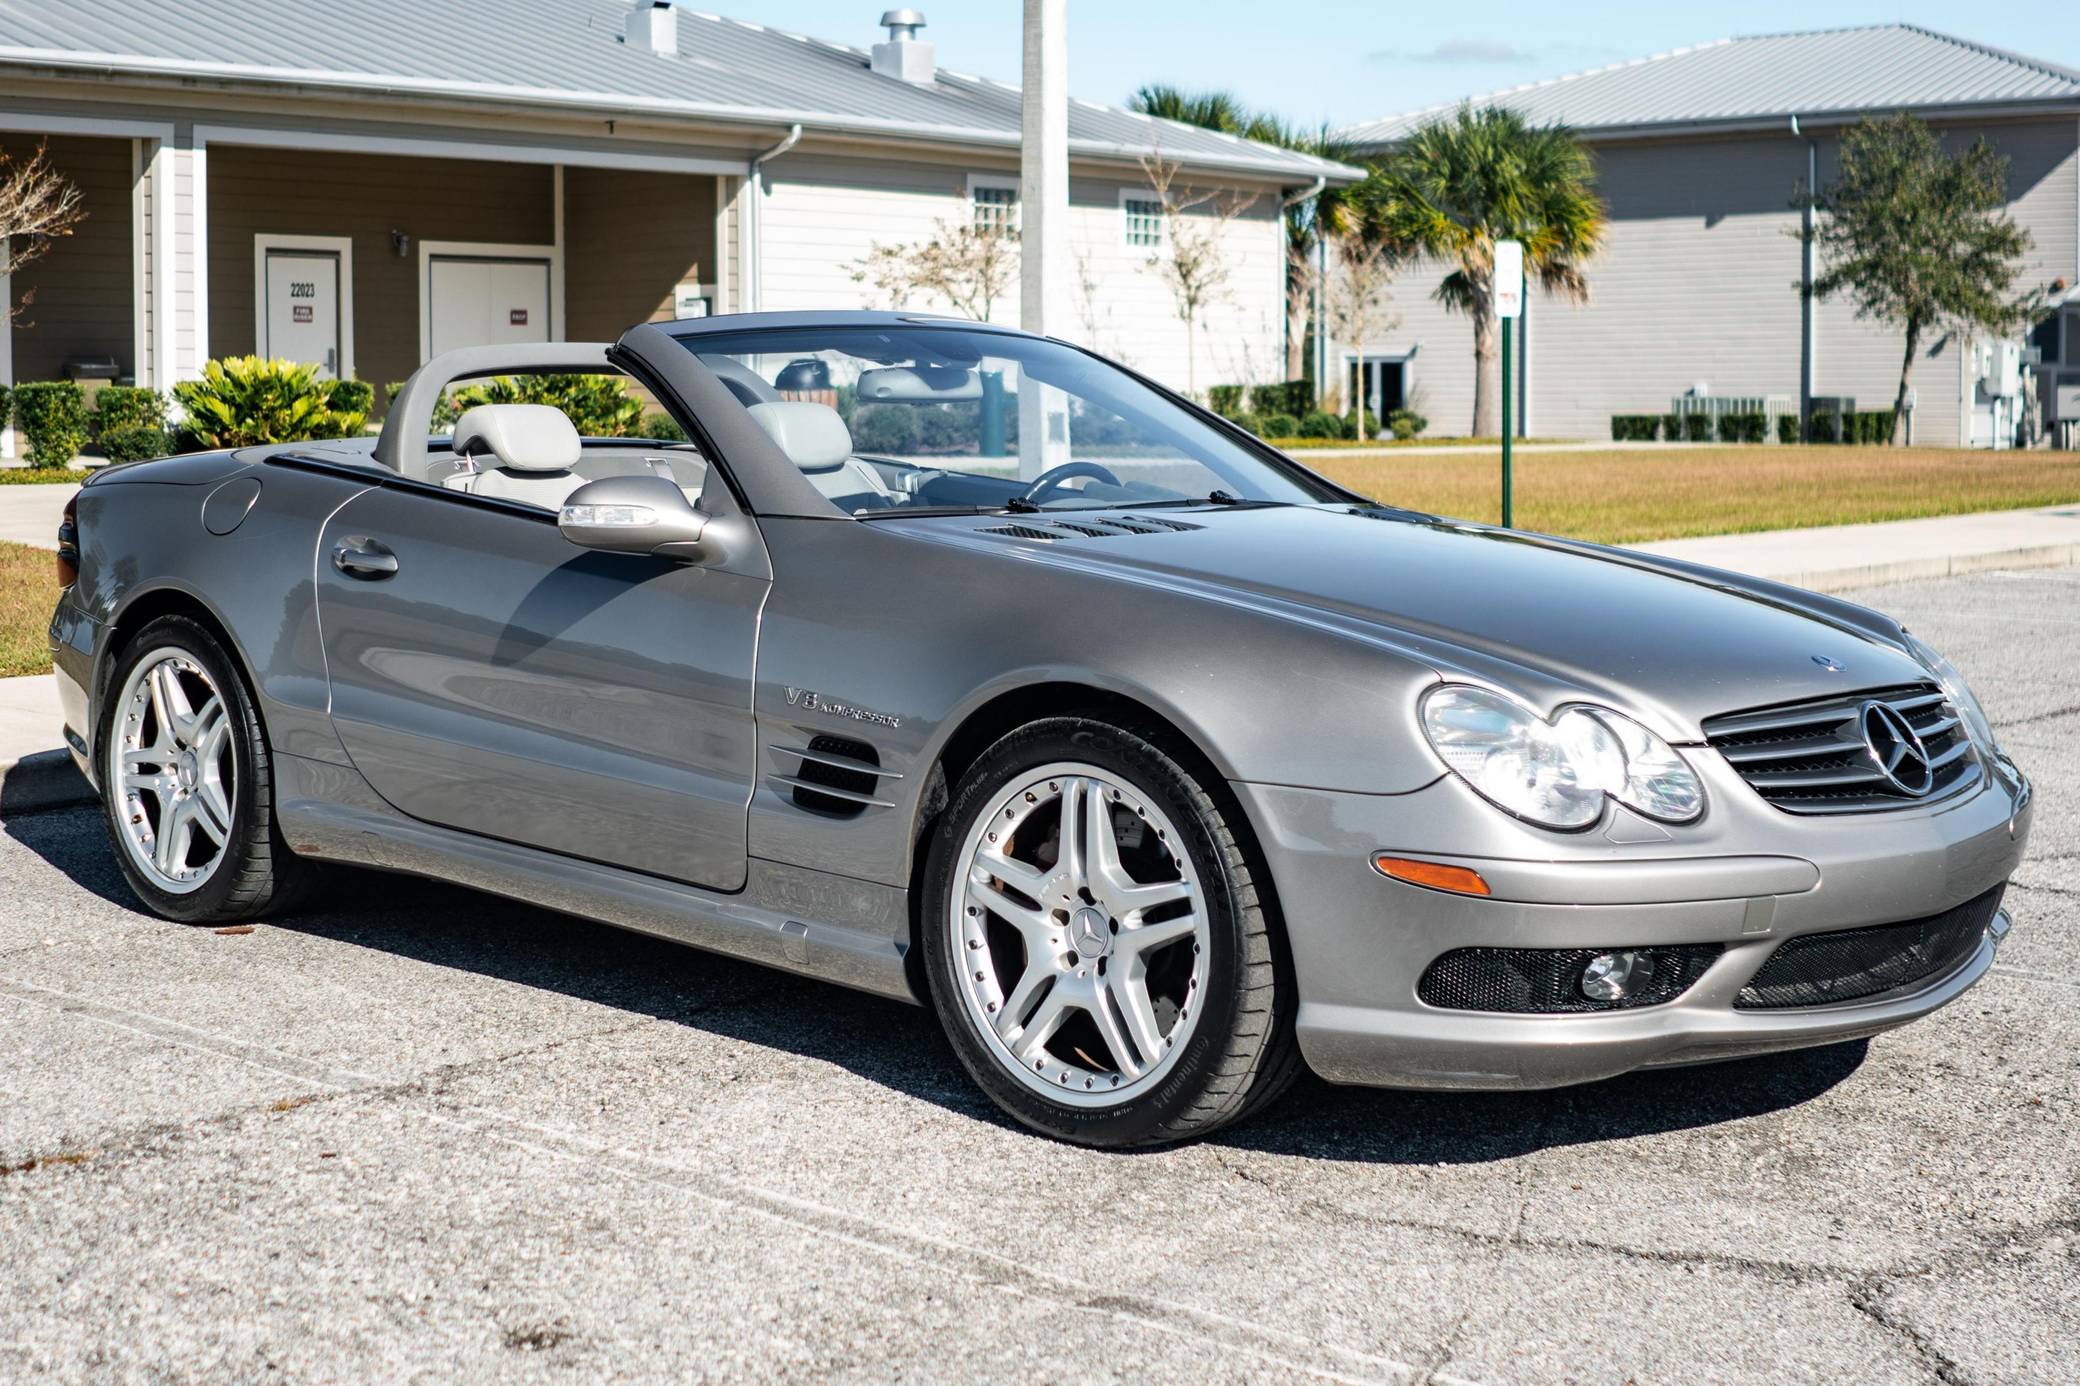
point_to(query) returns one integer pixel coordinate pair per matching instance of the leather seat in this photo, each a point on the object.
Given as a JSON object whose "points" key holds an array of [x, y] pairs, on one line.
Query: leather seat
{"points": [[815, 439], [533, 447]]}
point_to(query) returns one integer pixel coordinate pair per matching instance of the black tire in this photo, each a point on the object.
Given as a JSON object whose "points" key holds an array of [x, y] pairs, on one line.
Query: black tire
{"points": [[1241, 1054], [257, 875]]}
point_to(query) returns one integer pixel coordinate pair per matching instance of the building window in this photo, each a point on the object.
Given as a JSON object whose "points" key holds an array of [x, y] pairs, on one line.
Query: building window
{"points": [[1144, 222], [993, 204]]}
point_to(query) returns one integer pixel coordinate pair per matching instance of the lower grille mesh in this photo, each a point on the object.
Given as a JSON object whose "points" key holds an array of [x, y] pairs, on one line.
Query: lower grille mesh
{"points": [[1547, 981], [1825, 969]]}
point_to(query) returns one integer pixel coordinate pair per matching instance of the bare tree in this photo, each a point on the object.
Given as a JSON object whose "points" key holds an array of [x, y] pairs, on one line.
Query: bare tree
{"points": [[1092, 309], [1359, 308], [1194, 260], [970, 261], [38, 204]]}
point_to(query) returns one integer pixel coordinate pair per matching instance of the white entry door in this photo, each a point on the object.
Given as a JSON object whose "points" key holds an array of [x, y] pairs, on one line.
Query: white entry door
{"points": [[300, 316], [483, 301]]}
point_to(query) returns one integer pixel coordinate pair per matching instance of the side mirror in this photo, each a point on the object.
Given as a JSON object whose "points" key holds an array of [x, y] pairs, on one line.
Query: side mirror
{"points": [[633, 514]]}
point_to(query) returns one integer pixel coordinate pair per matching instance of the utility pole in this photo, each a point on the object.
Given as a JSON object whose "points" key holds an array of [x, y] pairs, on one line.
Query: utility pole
{"points": [[1043, 185], [1043, 226]]}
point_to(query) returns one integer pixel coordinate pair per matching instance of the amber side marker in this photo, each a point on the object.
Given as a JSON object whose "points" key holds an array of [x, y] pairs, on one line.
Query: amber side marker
{"points": [[1460, 880]]}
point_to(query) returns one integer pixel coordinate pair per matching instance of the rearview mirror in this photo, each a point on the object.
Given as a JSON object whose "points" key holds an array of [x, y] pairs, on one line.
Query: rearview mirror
{"points": [[633, 514], [918, 385]]}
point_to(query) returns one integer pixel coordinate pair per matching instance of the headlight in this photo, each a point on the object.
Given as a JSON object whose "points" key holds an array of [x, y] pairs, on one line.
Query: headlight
{"points": [[1960, 695], [1558, 773]]}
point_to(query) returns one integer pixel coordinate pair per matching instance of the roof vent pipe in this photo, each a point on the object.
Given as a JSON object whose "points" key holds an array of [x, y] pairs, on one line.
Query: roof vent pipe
{"points": [[654, 25], [905, 56]]}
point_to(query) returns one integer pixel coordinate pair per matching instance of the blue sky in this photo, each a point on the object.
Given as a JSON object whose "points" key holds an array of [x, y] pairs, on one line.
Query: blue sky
{"points": [[1349, 60]]}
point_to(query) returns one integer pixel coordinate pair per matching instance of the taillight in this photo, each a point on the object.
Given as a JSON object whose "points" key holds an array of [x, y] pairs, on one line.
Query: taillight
{"points": [[68, 543]]}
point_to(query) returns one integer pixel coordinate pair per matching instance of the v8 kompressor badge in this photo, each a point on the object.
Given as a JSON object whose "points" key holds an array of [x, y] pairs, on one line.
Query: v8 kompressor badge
{"points": [[808, 700]]}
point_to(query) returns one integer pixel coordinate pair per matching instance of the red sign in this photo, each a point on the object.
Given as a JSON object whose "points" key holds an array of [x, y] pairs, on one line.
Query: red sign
{"points": [[517, 317], [300, 312]]}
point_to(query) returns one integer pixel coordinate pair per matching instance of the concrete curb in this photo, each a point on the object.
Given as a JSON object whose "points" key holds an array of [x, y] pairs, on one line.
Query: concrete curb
{"points": [[1938, 566], [46, 780]]}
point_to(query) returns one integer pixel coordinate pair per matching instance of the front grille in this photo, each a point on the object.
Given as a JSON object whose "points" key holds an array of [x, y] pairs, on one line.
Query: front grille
{"points": [[1547, 981], [1813, 757], [1850, 964]]}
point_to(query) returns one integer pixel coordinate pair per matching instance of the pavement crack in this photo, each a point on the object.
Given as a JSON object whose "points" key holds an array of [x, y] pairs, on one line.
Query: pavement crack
{"points": [[1867, 1297], [2035, 718]]}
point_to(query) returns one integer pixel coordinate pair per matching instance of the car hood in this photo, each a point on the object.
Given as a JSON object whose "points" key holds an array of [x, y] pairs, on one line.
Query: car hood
{"points": [[1550, 619]]}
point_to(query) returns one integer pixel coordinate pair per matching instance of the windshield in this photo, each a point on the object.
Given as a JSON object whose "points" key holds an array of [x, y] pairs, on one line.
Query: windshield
{"points": [[904, 419]]}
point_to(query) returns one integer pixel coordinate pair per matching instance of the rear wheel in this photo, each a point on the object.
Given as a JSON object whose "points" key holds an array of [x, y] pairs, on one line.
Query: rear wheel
{"points": [[187, 783], [1096, 944]]}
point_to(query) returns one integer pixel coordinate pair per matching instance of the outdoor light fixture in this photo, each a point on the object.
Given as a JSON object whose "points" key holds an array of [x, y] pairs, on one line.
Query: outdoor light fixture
{"points": [[400, 242]]}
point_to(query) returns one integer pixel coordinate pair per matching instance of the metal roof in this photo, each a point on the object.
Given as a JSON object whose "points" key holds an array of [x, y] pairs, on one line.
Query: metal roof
{"points": [[570, 54], [1832, 72]]}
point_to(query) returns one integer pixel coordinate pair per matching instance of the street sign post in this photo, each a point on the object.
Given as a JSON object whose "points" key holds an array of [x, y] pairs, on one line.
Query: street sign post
{"points": [[1509, 306]]}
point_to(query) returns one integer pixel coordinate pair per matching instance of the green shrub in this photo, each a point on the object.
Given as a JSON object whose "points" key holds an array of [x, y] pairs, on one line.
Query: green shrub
{"points": [[6, 403], [1633, 428], [1316, 423], [1787, 428], [243, 400], [127, 406], [53, 419], [1745, 427], [1224, 400], [352, 397], [1671, 428], [1249, 421], [1826, 427], [1872, 427], [1406, 423], [1295, 397], [662, 427], [1280, 426], [885, 428], [600, 406], [1697, 428], [135, 442]]}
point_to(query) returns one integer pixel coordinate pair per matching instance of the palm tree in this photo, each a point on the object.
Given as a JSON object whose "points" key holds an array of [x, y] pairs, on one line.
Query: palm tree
{"points": [[1456, 186], [1330, 213]]}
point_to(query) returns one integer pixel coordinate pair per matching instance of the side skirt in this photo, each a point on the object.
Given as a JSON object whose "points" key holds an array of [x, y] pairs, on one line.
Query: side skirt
{"points": [[809, 922]]}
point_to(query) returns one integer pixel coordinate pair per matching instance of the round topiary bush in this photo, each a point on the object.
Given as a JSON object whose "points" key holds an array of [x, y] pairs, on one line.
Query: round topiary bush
{"points": [[1280, 426]]}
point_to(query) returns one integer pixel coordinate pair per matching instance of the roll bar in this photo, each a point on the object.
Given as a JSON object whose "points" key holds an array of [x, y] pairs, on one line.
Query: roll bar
{"points": [[402, 446]]}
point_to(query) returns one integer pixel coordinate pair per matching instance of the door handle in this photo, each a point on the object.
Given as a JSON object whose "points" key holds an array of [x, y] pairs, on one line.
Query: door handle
{"points": [[363, 558]]}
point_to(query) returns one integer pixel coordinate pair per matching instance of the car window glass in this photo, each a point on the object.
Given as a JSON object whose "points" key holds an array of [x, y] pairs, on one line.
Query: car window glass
{"points": [[621, 429], [895, 418]]}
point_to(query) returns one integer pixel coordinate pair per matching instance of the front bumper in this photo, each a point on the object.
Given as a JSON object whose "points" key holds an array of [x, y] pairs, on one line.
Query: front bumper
{"points": [[1748, 877]]}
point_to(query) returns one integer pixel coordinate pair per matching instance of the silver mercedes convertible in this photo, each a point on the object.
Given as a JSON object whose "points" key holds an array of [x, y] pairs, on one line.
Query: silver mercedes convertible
{"points": [[967, 667]]}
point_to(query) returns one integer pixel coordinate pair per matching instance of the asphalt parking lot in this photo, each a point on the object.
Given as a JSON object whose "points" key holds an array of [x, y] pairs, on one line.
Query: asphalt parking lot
{"points": [[426, 1134]]}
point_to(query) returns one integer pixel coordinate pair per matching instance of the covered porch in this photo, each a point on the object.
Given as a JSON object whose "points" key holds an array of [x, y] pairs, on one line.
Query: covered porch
{"points": [[363, 253]]}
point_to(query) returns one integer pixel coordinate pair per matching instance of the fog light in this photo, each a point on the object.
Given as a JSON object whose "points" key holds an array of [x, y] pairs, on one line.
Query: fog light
{"points": [[1615, 976]]}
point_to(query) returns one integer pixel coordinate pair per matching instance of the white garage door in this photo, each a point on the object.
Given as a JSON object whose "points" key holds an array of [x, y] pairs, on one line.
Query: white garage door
{"points": [[482, 301]]}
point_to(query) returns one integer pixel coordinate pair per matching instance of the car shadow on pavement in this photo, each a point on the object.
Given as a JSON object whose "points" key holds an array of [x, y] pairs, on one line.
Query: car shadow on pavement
{"points": [[900, 1046]]}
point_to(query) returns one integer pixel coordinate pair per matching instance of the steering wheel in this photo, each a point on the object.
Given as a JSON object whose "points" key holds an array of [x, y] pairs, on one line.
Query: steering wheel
{"points": [[1050, 481]]}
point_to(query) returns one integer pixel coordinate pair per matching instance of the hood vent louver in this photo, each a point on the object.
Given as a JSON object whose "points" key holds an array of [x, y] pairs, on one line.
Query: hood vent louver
{"points": [[1091, 527]]}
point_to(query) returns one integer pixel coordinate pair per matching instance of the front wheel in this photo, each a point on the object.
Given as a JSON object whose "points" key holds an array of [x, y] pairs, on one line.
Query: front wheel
{"points": [[187, 781], [1096, 943]]}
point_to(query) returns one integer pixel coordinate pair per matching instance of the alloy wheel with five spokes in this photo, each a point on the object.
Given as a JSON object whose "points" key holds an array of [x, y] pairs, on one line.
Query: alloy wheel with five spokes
{"points": [[1080, 929], [173, 771]]}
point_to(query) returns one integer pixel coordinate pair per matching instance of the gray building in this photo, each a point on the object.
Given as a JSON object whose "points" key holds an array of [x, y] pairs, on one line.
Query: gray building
{"points": [[1698, 154], [363, 186]]}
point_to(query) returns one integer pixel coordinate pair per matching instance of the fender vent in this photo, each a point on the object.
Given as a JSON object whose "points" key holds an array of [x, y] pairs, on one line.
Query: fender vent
{"points": [[1092, 527], [835, 776]]}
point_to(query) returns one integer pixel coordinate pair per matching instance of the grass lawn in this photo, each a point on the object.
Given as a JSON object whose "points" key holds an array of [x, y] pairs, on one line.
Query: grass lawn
{"points": [[28, 591], [40, 476], [1633, 496]]}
